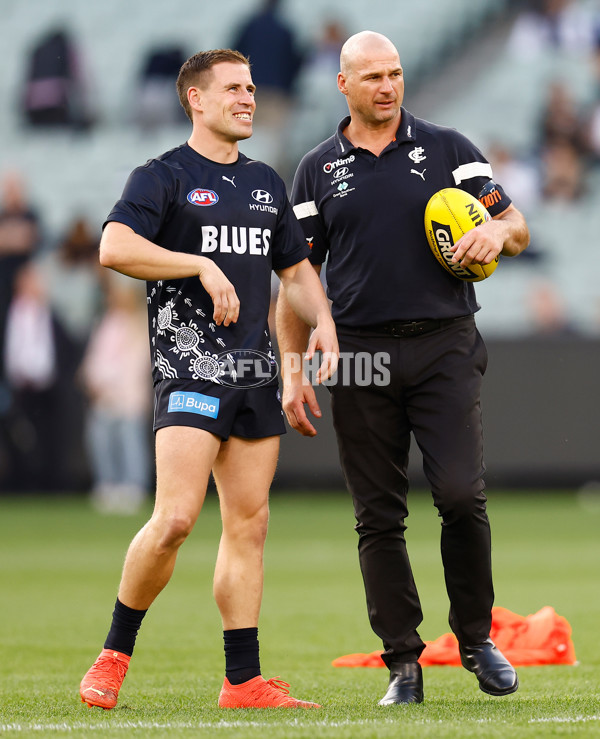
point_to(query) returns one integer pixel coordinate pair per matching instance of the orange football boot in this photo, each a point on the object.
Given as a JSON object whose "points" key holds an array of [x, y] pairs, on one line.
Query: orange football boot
{"points": [[102, 682], [260, 693]]}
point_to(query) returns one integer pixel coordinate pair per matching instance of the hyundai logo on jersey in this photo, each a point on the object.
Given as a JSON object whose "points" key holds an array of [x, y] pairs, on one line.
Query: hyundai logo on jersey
{"points": [[203, 405], [202, 197], [262, 196]]}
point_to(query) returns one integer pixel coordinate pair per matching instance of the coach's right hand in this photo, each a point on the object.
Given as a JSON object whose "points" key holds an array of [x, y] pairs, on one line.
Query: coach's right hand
{"points": [[296, 395]]}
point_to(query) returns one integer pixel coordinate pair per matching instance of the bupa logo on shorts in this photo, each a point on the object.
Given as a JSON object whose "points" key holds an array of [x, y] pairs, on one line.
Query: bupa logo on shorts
{"points": [[202, 197], [203, 405], [262, 196]]}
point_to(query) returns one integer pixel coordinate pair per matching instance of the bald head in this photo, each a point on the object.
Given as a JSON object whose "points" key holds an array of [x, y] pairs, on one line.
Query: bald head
{"points": [[372, 80], [363, 46]]}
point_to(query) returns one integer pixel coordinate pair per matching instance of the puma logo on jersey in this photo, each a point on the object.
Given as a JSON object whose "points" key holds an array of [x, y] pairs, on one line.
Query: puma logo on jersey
{"points": [[236, 239], [421, 174], [229, 180]]}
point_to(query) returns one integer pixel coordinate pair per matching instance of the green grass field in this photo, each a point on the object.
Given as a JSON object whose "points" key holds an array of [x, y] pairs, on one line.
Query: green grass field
{"points": [[59, 569]]}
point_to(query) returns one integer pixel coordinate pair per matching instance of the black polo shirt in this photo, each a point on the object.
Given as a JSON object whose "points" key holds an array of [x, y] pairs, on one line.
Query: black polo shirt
{"points": [[236, 214], [364, 214]]}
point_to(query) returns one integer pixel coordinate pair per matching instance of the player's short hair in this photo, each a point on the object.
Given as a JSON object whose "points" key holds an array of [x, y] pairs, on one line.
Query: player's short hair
{"points": [[196, 70]]}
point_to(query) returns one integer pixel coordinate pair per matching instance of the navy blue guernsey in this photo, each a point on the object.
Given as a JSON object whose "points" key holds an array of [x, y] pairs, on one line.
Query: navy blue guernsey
{"points": [[365, 215], [236, 214]]}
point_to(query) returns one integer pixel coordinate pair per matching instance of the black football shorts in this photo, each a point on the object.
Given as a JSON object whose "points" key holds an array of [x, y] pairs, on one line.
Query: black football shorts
{"points": [[252, 413]]}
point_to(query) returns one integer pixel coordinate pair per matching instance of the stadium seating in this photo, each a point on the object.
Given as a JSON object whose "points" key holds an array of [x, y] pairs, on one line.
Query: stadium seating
{"points": [[69, 173]]}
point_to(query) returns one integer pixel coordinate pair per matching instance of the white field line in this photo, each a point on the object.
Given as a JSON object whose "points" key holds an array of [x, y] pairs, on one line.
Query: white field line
{"points": [[128, 725], [149, 725], [564, 719]]}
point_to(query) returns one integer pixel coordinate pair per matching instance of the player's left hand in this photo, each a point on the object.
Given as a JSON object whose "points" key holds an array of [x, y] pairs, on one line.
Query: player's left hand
{"points": [[480, 245]]}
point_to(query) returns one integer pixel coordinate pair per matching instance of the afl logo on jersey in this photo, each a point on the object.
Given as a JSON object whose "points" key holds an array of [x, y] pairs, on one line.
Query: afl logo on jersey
{"points": [[202, 197], [262, 196]]}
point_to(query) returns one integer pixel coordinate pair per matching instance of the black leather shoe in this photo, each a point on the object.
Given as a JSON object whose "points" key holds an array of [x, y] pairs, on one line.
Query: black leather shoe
{"points": [[495, 673], [406, 684]]}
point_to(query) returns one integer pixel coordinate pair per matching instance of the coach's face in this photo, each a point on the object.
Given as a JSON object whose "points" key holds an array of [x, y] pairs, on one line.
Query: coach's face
{"points": [[226, 103], [373, 83]]}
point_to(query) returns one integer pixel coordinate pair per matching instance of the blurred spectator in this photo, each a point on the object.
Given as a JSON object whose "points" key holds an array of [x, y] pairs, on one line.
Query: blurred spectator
{"points": [[32, 366], [563, 172], [547, 26], [156, 106], [73, 277], [592, 131], [548, 310], [592, 116], [518, 176], [271, 45], [115, 376], [19, 239], [55, 91], [319, 104], [561, 119]]}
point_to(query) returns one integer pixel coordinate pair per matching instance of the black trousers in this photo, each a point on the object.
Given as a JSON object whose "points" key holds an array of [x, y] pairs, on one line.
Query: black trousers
{"points": [[434, 391]]}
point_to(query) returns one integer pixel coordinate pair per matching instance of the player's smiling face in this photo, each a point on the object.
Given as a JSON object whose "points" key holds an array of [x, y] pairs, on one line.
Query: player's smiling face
{"points": [[374, 88], [228, 102]]}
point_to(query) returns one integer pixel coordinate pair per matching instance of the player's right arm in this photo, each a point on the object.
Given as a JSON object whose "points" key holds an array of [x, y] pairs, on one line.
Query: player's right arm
{"points": [[125, 251]]}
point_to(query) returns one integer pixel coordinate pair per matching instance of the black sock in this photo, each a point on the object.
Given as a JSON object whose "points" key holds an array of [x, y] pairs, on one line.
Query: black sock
{"points": [[241, 655], [125, 625]]}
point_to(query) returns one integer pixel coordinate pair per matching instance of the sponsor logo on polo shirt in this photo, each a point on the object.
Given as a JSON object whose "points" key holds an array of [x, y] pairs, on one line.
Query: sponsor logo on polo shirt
{"points": [[343, 173], [328, 167], [490, 195], [343, 190]]}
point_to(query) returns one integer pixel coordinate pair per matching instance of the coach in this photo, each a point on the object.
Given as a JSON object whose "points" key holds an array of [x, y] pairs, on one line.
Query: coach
{"points": [[360, 197]]}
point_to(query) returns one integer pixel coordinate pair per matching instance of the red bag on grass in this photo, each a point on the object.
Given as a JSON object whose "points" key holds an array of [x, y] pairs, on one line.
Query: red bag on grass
{"points": [[542, 638]]}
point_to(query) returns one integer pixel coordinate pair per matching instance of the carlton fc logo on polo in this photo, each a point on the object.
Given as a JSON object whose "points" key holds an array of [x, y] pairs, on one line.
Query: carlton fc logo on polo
{"points": [[202, 197], [417, 155]]}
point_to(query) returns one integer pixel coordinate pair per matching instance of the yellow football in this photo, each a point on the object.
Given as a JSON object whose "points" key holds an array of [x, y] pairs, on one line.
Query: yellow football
{"points": [[449, 214]]}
